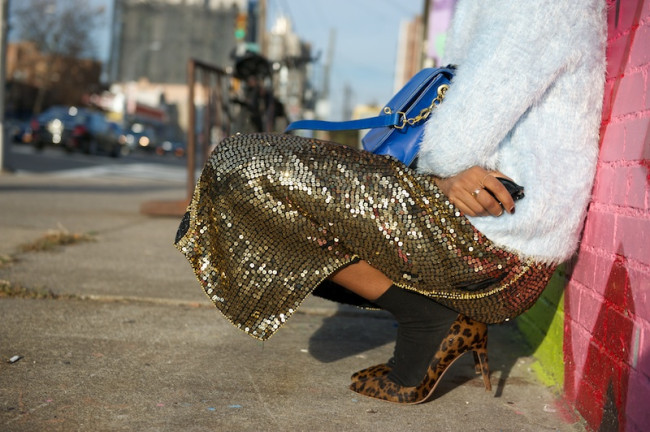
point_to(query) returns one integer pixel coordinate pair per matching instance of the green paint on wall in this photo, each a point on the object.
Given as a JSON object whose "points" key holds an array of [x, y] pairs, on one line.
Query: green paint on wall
{"points": [[543, 328]]}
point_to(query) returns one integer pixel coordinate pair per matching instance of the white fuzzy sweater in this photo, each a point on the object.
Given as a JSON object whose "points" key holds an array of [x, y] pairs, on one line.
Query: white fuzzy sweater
{"points": [[526, 100]]}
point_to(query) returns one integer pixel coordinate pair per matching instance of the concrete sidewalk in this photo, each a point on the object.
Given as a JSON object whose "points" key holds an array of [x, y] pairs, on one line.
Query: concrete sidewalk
{"points": [[125, 339]]}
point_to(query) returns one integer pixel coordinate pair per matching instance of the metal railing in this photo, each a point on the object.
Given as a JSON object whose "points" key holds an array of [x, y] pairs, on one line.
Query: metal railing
{"points": [[209, 97], [216, 85], [219, 105]]}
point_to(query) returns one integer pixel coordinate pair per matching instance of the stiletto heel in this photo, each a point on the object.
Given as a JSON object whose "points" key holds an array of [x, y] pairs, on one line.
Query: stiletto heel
{"points": [[477, 363], [483, 368], [464, 335]]}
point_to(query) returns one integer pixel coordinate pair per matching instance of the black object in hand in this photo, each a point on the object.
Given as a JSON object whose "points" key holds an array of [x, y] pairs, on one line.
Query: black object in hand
{"points": [[515, 191]]}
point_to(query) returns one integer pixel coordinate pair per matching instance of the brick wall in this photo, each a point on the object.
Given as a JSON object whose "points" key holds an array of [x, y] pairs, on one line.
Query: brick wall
{"points": [[607, 297]]}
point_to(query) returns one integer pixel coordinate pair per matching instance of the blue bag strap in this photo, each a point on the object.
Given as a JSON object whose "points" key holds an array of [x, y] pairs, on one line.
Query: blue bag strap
{"points": [[384, 120], [365, 123]]}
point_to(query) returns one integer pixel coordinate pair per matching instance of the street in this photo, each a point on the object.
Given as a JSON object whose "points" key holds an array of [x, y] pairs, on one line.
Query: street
{"points": [[25, 159]]}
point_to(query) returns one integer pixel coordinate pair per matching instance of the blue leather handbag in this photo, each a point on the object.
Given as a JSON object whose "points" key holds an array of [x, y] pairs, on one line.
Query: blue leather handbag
{"points": [[397, 131]]}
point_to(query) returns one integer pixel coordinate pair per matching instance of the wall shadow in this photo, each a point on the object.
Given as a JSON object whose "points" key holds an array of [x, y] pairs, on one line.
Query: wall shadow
{"points": [[353, 330]]}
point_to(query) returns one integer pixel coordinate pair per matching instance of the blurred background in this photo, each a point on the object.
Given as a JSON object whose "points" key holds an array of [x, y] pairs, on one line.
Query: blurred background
{"points": [[161, 77]]}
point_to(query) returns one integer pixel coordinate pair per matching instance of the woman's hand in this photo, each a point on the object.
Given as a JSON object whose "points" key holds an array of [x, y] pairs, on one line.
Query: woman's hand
{"points": [[468, 190]]}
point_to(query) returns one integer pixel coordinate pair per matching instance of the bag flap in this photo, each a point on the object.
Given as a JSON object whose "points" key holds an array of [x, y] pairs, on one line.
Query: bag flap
{"points": [[414, 86], [403, 101]]}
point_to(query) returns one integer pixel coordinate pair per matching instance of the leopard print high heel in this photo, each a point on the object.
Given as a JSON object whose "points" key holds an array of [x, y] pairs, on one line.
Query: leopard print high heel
{"points": [[464, 335], [383, 369]]}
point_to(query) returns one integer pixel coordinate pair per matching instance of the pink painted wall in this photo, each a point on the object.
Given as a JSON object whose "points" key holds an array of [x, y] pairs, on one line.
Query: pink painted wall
{"points": [[607, 300]]}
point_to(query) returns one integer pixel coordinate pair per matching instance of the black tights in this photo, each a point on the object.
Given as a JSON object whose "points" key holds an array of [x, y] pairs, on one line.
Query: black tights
{"points": [[422, 324]]}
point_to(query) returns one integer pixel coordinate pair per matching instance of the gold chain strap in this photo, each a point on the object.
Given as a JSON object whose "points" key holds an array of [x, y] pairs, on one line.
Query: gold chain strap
{"points": [[424, 114]]}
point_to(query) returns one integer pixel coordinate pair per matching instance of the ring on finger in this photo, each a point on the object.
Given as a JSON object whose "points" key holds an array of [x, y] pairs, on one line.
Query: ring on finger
{"points": [[476, 192], [486, 176]]}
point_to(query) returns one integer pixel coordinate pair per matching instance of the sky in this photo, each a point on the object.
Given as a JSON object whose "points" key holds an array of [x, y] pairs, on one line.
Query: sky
{"points": [[365, 48]]}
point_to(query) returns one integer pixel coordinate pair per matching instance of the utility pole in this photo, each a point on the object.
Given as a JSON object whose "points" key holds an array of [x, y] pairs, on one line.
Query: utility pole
{"points": [[348, 93], [328, 64], [261, 28], [4, 144], [323, 106]]}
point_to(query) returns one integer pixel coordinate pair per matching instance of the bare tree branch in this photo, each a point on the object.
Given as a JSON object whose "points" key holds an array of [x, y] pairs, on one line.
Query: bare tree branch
{"points": [[62, 27], [62, 31]]}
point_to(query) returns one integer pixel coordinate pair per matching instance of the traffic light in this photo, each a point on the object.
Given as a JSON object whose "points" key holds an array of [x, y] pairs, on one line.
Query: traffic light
{"points": [[240, 26]]}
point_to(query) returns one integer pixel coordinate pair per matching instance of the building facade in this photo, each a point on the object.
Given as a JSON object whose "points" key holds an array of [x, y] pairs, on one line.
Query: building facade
{"points": [[410, 51], [156, 38]]}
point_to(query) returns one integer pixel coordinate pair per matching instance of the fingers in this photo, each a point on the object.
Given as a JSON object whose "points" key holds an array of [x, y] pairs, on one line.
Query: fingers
{"points": [[459, 189], [477, 192], [468, 204], [474, 201], [499, 191], [488, 203]]}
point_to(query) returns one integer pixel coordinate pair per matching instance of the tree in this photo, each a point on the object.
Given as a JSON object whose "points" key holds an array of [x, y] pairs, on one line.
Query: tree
{"points": [[61, 30]]}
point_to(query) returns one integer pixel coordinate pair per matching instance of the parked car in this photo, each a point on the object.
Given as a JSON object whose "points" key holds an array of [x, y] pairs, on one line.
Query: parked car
{"points": [[140, 137], [54, 126], [176, 148], [93, 134], [77, 129], [19, 131]]}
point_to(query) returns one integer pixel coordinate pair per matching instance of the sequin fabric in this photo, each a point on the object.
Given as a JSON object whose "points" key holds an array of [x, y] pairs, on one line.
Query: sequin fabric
{"points": [[272, 216]]}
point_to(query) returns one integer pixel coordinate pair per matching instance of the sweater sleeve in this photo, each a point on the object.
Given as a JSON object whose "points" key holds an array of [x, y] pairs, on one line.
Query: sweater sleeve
{"points": [[510, 57]]}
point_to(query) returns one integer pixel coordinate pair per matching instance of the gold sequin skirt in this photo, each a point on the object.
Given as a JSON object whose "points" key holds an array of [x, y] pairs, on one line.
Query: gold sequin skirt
{"points": [[273, 216]]}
